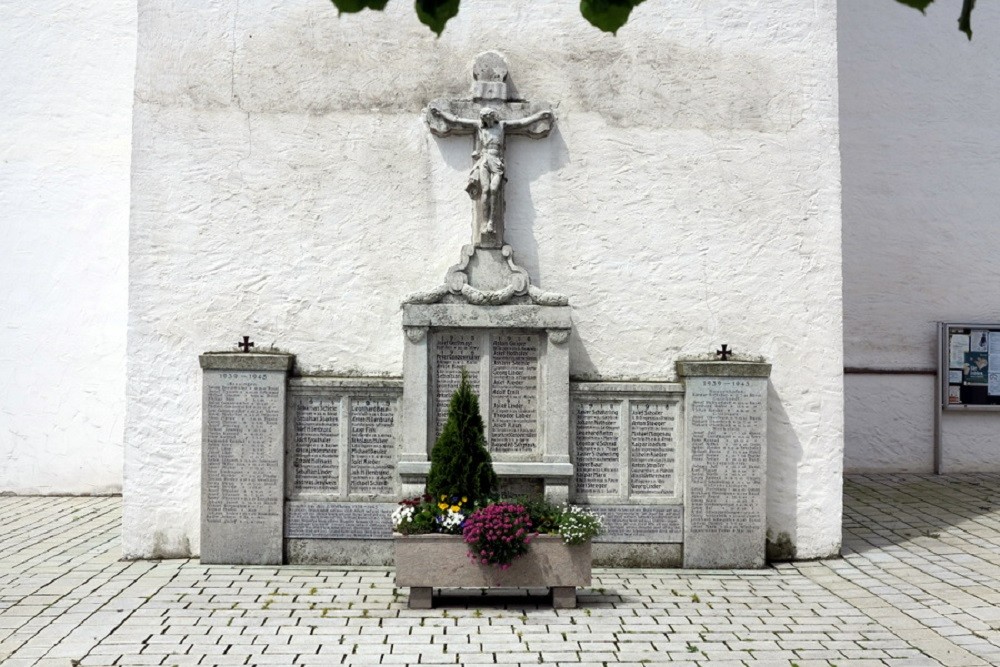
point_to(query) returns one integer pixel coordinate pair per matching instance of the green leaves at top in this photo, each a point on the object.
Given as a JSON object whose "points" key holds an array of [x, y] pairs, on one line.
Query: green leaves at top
{"points": [[352, 6], [608, 15], [917, 4], [964, 19], [436, 13]]}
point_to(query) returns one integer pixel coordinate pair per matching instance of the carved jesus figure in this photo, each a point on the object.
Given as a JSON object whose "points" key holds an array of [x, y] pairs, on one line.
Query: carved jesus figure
{"points": [[487, 175]]}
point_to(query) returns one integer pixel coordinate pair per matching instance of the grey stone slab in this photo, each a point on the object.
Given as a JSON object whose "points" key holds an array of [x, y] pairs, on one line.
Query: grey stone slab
{"points": [[726, 426], [248, 361], [645, 524], [338, 520], [309, 551], [626, 442], [707, 368], [344, 438], [493, 317], [243, 426]]}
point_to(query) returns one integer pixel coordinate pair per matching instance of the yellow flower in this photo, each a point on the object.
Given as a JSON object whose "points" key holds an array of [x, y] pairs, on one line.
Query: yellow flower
{"points": [[442, 506], [464, 499], [443, 496], [455, 508]]}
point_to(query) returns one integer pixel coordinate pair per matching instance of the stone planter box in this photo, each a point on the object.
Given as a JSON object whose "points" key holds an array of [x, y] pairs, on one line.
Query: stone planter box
{"points": [[426, 562]]}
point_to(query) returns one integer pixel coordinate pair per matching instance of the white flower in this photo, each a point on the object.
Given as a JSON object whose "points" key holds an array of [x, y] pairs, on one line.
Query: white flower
{"points": [[402, 514]]}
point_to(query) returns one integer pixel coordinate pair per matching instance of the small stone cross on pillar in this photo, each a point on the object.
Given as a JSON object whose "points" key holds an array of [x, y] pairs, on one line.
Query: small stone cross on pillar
{"points": [[490, 116]]}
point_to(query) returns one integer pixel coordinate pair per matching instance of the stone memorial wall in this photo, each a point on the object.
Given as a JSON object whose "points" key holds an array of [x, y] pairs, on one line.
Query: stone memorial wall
{"points": [[344, 437], [243, 413], [341, 445], [625, 441], [726, 423]]}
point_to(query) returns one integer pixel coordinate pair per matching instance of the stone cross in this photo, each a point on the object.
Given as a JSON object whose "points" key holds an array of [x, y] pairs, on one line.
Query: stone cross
{"points": [[490, 116], [725, 352], [246, 344]]}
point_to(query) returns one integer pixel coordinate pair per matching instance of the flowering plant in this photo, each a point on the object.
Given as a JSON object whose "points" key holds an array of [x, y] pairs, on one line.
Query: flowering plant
{"points": [[424, 514], [497, 534], [461, 496], [578, 525]]}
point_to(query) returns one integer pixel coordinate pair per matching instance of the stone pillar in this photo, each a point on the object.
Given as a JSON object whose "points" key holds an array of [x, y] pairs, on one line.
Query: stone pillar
{"points": [[555, 421], [242, 457], [725, 407], [416, 410]]}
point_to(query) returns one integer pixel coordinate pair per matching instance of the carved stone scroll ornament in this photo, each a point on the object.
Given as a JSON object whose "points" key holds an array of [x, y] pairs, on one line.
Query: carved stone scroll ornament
{"points": [[457, 283]]}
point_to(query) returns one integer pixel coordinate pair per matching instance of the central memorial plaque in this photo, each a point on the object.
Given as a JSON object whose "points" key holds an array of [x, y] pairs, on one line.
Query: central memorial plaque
{"points": [[513, 412], [454, 352], [503, 369]]}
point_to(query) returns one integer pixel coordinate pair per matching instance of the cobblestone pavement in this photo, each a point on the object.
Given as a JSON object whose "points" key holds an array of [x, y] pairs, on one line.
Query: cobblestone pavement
{"points": [[919, 584]]}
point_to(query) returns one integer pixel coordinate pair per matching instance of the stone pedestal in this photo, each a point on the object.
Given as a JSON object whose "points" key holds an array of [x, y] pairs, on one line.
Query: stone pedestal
{"points": [[725, 407], [242, 454]]}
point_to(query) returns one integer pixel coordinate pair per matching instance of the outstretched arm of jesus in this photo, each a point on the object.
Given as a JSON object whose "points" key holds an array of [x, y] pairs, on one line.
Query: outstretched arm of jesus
{"points": [[525, 122], [452, 118]]}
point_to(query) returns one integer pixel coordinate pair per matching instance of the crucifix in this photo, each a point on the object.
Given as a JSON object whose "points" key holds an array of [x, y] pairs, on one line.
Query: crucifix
{"points": [[490, 116]]}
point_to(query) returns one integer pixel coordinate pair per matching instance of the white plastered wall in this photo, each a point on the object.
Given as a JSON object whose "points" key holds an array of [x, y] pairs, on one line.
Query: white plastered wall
{"points": [[920, 140], [286, 188], [66, 83]]}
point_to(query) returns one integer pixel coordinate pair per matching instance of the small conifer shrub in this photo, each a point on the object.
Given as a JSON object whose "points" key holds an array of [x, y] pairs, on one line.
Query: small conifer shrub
{"points": [[461, 466]]}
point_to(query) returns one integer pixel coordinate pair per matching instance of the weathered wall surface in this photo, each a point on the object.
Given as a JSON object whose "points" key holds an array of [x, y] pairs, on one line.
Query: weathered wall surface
{"points": [[920, 139], [285, 187], [66, 86]]}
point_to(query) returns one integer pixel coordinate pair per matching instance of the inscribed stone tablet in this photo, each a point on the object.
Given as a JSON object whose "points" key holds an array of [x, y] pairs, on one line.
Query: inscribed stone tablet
{"points": [[598, 426], [727, 434], [316, 444], [641, 523], [513, 393], [344, 521], [652, 449], [373, 445], [453, 352], [242, 466], [521, 487]]}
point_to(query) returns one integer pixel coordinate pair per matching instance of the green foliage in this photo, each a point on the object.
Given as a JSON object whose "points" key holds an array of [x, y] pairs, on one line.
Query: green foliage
{"points": [[917, 4], [424, 514], [964, 19], [460, 463], [352, 6], [435, 13], [544, 515], [577, 525], [608, 15]]}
